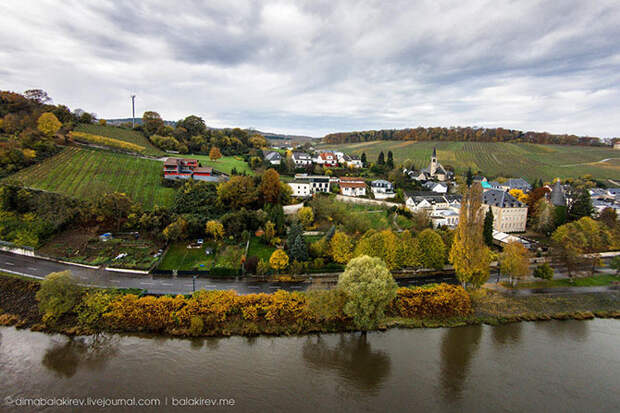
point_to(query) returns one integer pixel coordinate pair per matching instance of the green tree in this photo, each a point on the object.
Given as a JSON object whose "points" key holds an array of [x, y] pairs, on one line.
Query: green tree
{"points": [[390, 160], [363, 159], [581, 205], [298, 250], [469, 254], [48, 124], [270, 231], [115, 207], [433, 249], [488, 228], [294, 231], [543, 219], [514, 261], [152, 122], [59, 294], [381, 159], [470, 177], [544, 271], [368, 287]]}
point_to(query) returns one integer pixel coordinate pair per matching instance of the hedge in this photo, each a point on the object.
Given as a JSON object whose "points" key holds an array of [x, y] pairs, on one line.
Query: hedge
{"points": [[443, 300], [103, 140]]}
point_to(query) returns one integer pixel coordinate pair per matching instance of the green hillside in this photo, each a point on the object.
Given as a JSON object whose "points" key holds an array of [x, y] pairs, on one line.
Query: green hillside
{"points": [[122, 134], [530, 161], [86, 173]]}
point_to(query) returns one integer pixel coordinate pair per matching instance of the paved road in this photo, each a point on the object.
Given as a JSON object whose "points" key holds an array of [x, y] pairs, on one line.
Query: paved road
{"points": [[39, 268]]}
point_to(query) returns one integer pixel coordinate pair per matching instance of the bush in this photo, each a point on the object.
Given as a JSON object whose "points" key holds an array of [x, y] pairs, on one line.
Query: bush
{"points": [[196, 325], [544, 271], [440, 301], [614, 264], [58, 295], [94, 304]]}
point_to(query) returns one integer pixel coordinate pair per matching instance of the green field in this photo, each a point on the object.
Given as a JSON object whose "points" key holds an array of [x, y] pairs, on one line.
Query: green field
{"points": [[259, 249], [224, 164], [86, 173], [122, 134], [525, 160], [179, 257]]}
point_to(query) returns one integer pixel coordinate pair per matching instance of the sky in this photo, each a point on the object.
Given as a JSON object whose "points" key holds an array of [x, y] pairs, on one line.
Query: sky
{"points": [[320, 66]]}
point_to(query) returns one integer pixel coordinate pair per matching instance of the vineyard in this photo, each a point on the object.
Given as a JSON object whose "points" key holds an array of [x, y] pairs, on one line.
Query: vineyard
{"points": [[85, 173], [529, 161], [121, 134]]}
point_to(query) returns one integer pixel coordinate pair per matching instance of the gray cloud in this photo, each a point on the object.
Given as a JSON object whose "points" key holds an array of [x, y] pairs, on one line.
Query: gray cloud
{"points": [[321, 66]]}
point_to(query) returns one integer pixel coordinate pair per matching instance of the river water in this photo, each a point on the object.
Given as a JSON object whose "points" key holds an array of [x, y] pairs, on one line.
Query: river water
{"points": [[555, 366]]}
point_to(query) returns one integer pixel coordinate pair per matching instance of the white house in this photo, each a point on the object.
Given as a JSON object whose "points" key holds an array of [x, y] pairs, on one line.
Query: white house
{"points": [[445, 218], [352, 186], [328, 159], [432, 201], [437, 187], [306, 185], [273, 157], [352, 161], [382, 189], [301, 159]]}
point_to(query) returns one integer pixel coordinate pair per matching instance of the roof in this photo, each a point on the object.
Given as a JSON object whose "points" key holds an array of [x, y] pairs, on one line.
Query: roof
{"points": [[351, 179], [557, 197], [273, 156], [203, 170], [352, 185], [300, 155], [502, 199], [380, 182], [171, 161], [517, 183]]}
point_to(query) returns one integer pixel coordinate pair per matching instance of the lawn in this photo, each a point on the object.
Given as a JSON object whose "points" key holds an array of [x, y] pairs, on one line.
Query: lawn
{"points": [[86, 173], [179, 257], [530, 161], [259, 249], [594, 281], [122, 134], [224, 164]]}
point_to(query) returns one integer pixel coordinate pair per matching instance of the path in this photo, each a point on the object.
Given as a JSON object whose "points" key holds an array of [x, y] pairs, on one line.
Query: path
{"points": [[552, 290], [588, 163]]}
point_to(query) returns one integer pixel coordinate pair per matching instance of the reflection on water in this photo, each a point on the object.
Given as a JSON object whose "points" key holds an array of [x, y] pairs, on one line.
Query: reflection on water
{"points": [[569, 329], [506, 334], [352, 358], [91, 353], [458, 347]]}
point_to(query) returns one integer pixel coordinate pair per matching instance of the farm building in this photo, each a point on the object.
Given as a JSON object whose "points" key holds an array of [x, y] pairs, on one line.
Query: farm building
{"points": [[180, 168]]}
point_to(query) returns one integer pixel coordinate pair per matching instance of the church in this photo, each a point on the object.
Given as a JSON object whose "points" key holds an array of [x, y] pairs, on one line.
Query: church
{"points": [[434, 171]]}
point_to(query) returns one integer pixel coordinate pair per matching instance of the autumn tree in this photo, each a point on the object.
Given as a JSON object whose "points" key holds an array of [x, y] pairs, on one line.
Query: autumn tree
{"points": [[113, 206], [514, 261], [411, 252], [305, 216], [609, 217], [237, 192], [59, 294], [214, 229], [543, 219], [278, 260], [152, 122], [341, 247], [368, 287], [214, 153], [433, 249], [519, 195], [270, 231], [469, 254], [270, 186], [176, 230], [48, 124]]}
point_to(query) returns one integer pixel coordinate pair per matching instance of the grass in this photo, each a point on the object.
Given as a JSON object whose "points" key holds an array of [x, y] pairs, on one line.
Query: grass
{"points": [[122, 134], [259, 249], [530, 161], [86, 173], [224, 164], [593, 281], [179, 257]]}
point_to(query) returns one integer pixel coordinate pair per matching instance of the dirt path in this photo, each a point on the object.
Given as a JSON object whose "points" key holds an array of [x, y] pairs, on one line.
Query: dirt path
{"points": [[588, 163]]}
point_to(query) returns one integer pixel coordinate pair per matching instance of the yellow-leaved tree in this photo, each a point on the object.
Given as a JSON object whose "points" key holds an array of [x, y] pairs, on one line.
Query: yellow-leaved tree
{"points": [[214, 153], [341, 248], [214, 229], [48, 124], [278, 260]]}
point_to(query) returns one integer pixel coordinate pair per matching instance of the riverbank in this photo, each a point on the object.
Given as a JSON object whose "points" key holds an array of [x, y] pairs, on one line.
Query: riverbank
{"points": [[224, 313]]}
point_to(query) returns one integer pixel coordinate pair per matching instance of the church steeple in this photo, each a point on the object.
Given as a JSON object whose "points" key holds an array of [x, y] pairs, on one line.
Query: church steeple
{"points": [[433, 166]]}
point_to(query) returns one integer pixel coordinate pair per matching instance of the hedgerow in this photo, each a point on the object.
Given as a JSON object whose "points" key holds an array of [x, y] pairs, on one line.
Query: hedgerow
{"points": [[103, 140]]}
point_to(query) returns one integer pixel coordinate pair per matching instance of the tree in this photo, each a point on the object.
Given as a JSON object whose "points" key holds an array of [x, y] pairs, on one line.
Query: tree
{"points": [[488, 228], [469, 254], [39, 96], [519, 195], [113, 206], [270, 186], [270, 231], [58, 295], [214, 229], [514, 260], [390, 160], [298, 250], [381, 159], [176, 230], [193, 125], [543, 219], [433, 249], [470, 177], [581, 206], [411, 251], [237, 192], [294, 231], [341, 247], [368, 287], [278, 260], [544, 271], [363, 159], [152, 122], [614, 264], [48, 124], [305, 216], [609, 217], [214, 153]]}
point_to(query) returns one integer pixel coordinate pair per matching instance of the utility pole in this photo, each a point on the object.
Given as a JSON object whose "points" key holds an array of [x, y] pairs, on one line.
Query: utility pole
{"points": [[133, 111]]}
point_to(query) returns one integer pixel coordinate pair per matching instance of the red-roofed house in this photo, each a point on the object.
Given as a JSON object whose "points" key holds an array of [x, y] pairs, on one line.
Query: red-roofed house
{"points": [[352, 186]]}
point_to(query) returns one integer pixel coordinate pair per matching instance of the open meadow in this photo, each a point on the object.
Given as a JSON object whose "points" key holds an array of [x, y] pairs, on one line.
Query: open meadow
{"points": [[86, 173], [529, 161], [224, 164]]}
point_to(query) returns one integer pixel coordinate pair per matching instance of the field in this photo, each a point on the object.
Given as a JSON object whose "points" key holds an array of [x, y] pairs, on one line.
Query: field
{"points": [[86, 173], [259, 249], [179, 257], [224, 164], [122, 134], [529, 161]]}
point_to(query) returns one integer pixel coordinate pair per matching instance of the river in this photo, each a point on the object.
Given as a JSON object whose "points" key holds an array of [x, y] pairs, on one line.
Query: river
{"points": [[544, 367]]}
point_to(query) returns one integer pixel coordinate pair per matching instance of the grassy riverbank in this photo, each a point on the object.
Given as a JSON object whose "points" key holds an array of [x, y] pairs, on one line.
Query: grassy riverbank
{"points": [[225, 313]]}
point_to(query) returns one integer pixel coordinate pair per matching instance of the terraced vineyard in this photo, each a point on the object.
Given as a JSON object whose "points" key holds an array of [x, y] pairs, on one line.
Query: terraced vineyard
{"points": [[500, 159], [85, 173], [122, 134]]}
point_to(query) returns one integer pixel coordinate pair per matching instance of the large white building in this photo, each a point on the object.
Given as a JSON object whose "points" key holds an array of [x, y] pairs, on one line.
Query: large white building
{"points": [[307, 185], [382, 189], [352, 186], [509, 214], [301, 159]]}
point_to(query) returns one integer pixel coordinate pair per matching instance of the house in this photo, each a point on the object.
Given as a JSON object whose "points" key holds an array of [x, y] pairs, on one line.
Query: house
{"points": [[431, 201], [446, 217], [273, 157], [436, 187], [352, 186], [352, 161], [327, 159], [382, 189], [301, 159], [181, 168], [434, 171], [509, 214], [516, 183], [305, 185]]}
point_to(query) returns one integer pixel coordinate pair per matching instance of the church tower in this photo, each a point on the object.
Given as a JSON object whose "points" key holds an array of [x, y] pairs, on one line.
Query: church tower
{"points": [[433, 166]]}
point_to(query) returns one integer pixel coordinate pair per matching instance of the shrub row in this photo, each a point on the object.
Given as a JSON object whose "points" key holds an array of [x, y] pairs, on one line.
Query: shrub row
{"points": [[440, 301], [103, 140]]}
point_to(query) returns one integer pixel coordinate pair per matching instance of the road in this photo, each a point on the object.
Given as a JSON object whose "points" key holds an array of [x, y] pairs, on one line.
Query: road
{"points": [[39, 268]]}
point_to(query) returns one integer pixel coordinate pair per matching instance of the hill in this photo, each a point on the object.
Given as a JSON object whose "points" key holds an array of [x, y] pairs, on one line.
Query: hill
{"points": [[122, 134], [86, 173], [530, 161]]}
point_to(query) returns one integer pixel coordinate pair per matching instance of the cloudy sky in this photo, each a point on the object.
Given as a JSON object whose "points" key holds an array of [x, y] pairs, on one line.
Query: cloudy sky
{"points": [[317, 66]]}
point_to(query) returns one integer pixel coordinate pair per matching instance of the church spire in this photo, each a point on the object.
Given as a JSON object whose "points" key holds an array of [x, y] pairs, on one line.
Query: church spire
{"points": [[435, 152]]}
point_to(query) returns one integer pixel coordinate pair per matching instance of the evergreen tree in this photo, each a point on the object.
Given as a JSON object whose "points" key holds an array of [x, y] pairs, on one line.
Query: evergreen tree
{"points": [[363, 159], [581, 206], [298, 250], [381, 159], [488, 228], [470, 177], [390, 160], [294, 231], [330, 233], [275, 214]]}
